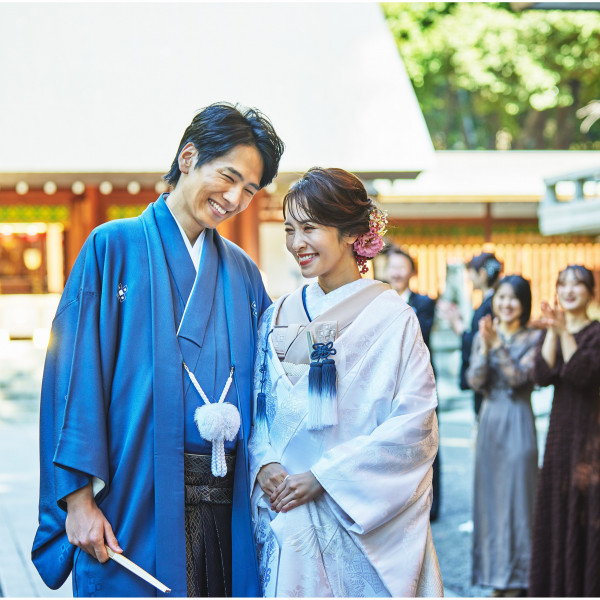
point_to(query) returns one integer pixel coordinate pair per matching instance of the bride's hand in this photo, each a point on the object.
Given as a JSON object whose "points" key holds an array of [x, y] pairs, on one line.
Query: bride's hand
{"points": [[295, 490], [270, 476]]}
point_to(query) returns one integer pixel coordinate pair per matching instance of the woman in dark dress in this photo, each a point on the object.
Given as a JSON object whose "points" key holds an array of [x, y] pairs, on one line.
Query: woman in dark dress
{"points": [[566, 534]]}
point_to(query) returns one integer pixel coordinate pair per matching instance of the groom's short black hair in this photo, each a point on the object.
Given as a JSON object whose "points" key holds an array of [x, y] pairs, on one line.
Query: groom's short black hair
{"points": [[219, 128]]}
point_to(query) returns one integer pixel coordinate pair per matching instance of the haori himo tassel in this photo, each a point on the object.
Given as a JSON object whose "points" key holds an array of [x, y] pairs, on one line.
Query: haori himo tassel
{"points": [[322, 387], [217, 422]]}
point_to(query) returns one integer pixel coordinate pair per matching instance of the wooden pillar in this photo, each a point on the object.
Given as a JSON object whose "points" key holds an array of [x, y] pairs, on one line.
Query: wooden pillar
{"points": [[87, 212], [75, 236], [227, 230], [95, 208], [488, 222], [249, 228]]}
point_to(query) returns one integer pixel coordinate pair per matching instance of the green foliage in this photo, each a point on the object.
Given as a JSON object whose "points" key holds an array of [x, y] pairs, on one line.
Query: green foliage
{"points": [[486, 76]]}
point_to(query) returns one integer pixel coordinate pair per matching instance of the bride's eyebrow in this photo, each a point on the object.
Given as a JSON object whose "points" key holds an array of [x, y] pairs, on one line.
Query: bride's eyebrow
{"points": [[300, 221]]}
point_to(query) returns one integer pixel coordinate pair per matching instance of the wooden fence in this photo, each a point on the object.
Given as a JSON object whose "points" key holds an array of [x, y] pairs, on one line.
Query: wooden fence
{"points": [[537, 262]]}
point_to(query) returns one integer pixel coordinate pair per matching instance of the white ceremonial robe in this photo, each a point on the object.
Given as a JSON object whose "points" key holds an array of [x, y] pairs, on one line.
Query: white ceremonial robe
{"points": [[368, 534]]}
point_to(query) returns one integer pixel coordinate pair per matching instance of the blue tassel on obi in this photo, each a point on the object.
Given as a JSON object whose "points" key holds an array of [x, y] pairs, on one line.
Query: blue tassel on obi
{"points": [[261, 411], [322, 388], [260, 421]]}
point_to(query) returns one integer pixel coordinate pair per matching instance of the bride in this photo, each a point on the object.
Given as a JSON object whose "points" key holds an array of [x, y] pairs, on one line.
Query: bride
{"points": [[345, 430]]}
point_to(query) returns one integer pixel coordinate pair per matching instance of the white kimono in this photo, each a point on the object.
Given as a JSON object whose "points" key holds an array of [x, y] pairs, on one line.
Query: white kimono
{"points": [[368, 534]]}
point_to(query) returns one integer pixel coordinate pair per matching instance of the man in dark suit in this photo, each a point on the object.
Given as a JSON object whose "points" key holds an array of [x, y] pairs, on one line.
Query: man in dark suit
{"points": [[400, 269]]}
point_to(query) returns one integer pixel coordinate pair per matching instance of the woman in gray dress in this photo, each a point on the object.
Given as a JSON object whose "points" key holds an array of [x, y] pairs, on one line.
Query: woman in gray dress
{"points": [[506, 463]]}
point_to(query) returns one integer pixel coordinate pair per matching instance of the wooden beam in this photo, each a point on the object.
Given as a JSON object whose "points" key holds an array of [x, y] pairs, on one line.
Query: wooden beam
{"points": [[35, 197], [456, 198], [398, 222]]}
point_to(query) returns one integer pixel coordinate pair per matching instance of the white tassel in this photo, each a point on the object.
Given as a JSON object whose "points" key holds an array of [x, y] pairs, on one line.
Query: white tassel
{"points": [[217, 422]]}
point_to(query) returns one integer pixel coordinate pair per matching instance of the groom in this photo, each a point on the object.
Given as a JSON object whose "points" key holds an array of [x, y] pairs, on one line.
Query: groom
{"points": [[122, 462]]}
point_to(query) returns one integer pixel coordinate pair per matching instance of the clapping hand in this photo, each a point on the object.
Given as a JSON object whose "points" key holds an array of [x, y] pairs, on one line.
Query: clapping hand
{"points": [[553, 318], [488, 330]]}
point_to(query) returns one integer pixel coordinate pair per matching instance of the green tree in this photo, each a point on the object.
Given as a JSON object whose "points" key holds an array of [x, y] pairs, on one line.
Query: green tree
{"points": [[486, 76]]}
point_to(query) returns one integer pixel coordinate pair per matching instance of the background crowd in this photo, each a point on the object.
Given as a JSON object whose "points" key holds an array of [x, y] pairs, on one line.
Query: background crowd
{"points": [[536, 531]]}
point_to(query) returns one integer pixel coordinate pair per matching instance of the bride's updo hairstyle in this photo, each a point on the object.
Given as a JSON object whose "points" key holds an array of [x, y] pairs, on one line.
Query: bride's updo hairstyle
{"points": [[336, 198], [330, 197]]}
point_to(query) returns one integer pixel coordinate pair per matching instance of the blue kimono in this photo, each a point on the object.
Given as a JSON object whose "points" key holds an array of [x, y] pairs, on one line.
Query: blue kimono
{"points": [[117, 407]]}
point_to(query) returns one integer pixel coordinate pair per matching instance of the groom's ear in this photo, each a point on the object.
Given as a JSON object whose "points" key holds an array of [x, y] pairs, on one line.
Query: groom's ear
{"points": [[187, 158]]}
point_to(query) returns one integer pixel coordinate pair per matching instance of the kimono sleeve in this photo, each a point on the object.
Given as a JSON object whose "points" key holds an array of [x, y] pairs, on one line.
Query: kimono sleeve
{"points": [[81, 452], [73, 436], [259, 446], [374, 477]]}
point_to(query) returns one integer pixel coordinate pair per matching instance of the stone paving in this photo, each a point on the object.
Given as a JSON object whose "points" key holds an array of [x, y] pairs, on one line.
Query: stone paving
{"points": [[452, 532], [21, 367]]}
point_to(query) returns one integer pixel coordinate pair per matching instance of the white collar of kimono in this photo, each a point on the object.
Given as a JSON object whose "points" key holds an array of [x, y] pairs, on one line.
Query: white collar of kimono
{"points": [[195, 250], [405, 295], [317, 301]]}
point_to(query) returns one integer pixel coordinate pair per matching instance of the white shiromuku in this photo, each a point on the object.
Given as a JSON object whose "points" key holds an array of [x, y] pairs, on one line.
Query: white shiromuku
{"points": [[368, 534]]}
